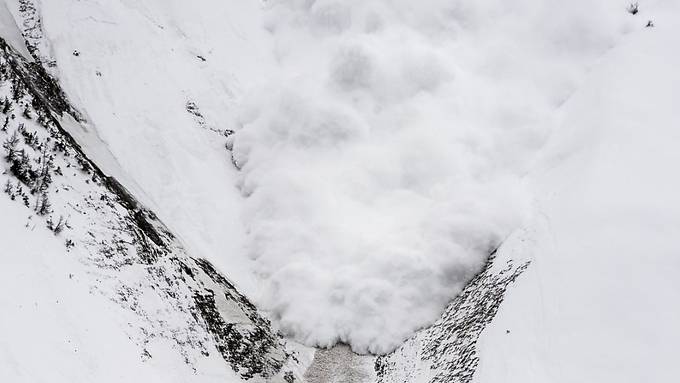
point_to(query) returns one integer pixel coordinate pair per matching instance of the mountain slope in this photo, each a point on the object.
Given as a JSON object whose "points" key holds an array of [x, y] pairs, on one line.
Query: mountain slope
{"points": [[100, 289], [97, 275], [155, 83], [599, 302]]}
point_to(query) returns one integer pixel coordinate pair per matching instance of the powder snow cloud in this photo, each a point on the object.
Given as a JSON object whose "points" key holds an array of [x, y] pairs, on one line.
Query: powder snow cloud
{"points": [[382, 160]]}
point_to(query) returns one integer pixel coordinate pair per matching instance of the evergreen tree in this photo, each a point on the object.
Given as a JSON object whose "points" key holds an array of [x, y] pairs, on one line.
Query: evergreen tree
{"points": [[6, 106], [10, 146], [17, 90], [43, 205], [4, 125], [8, 188], [44, 177], [21, 167]]}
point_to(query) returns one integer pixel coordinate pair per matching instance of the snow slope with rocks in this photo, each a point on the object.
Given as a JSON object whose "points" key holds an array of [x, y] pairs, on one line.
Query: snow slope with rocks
{"points": [[572, 103], [97, 287]]}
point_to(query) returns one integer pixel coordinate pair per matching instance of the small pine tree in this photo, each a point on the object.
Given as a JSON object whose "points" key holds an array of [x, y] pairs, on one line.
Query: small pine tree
{"points": [[10, 146], [8, 188], [18, 190], [44, 175], [21, 167], [59, 226], [6, 106], [30, 138], [43, 205], [17, 91]]}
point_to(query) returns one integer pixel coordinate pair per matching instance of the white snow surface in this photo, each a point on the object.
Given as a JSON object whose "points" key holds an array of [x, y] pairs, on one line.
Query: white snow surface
{"points": [[599, 302], [9, 30], [57, 328], [136, 70], [381, 144]]}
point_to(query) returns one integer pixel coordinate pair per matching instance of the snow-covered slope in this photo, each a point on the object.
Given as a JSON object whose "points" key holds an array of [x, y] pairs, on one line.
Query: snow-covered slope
{"points": [[379, 139], [136, 123], [97, 289], [155, 84], [600, 300]]}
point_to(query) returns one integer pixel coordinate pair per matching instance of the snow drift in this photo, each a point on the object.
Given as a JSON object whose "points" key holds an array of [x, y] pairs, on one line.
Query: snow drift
{"points": [[381, 161]]}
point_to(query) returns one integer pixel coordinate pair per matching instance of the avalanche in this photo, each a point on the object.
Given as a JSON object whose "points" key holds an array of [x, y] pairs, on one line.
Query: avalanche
{"points": [[380, 145], [350, 165], [382, 161]]}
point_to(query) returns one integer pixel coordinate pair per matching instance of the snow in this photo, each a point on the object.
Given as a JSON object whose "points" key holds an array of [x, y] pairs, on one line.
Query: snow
{"points": [[599, 302], [112, 279], [384, 148], [381, 145], [136, 71], [383, 160], [11, 32], [55, 328]]}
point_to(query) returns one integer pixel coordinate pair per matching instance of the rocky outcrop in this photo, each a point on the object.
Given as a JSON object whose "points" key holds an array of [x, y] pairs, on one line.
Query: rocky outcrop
{"points": [[446, 352]]}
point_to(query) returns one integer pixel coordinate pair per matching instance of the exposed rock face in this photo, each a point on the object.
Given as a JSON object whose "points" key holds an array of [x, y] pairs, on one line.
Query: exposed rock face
{"points": [[132, 258], [446, 351]]}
